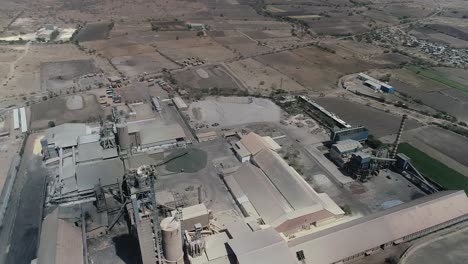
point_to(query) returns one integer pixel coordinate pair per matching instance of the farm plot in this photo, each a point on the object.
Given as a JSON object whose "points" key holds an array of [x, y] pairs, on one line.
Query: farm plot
{"points": [[26, 78], [205, 49], [61, 75], [149, 62], [378, 122], [434, 169], [259, 78], [444, 141], [94, 31], [434, 36], [242, 44], [313, 68], [206, 78], [233, 111], [434, 91], [74, 108]]}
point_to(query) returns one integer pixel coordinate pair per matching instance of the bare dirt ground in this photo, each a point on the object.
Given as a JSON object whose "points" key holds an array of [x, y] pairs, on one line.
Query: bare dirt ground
{"points": [[378, 122], [433, 94], [313, 68], [449, 248], [63, 109], [62, 75], [26, 78], [213, 76], [230, 111], [259, 78]]}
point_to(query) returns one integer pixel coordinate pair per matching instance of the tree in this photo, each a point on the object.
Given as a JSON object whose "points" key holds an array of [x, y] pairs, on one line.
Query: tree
{"points": [[51, 124]]}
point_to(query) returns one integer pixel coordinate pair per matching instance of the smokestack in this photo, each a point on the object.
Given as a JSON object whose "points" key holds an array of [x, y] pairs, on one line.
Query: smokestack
{"points": [[397, 140]]}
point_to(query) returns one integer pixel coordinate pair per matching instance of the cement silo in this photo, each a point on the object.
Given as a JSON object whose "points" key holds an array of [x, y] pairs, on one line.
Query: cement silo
{"points": [[172, 240], [123, 137]]}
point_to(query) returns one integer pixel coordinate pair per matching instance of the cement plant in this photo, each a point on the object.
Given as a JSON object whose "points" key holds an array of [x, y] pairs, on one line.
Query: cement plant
{"points": [[234, 132]]}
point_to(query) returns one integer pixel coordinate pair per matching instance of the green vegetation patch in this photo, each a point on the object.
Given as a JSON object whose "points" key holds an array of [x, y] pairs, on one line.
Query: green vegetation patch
{"points": [[438, 77], [193, 161], [434, 169]]}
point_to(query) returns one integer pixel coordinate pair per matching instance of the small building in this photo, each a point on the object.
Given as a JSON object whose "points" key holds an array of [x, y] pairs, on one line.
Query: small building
{"points": [[155, 104], [341, 151], [251, 144], [375, 84], [207, 136], [155, 134], [359, 133], [241, 152], [196, 214], [180, 104]]}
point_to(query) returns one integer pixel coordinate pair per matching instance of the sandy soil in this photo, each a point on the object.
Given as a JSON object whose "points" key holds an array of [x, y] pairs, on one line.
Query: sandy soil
{"points": [[230, 111]]}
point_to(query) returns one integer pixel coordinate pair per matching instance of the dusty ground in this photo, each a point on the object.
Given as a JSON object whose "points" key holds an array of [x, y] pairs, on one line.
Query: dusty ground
{"points": [[450, 248], [434, 94], [378, 122], [230, 111], [26, 75], [313, 68], [259, 78], [213, 76], [61, 75], [73, 108]]}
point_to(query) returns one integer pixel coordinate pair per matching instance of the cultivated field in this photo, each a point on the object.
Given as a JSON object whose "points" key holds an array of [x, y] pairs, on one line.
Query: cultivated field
{"points": [[94, 31], [259, 78], [433, 90], [434, 169], [313, 68], [446, 142]]}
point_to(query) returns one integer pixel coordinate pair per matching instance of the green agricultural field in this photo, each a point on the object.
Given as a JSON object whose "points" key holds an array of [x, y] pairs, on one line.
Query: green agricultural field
{"points": [[438, 77], [434, 169]]}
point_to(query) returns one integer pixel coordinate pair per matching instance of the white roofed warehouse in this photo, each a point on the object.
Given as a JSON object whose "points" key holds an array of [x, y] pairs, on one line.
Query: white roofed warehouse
{"points": [[279, 195]]}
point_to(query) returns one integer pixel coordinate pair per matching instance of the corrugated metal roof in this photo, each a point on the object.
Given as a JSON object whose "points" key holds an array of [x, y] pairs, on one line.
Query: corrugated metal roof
{"points": [[88, 138], [347, 145], [339, 242], [286, 179], [179, 102], [89, 151], [262, 247], [254, 143], [155, 133], [108, 171], [65, 135], [266, 199], [60, 241]]}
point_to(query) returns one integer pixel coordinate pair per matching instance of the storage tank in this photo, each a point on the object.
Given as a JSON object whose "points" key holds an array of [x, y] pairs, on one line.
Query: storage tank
{"points": [[172, 240], [123, 137]]}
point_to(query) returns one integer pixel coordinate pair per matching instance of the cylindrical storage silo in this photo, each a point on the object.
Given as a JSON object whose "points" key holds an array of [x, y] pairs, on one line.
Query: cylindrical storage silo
{"points": [[124, 138], [172, 240]]}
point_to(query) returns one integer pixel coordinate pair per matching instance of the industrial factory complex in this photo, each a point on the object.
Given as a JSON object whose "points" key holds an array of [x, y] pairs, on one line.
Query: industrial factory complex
{"points": [[119, 174]]}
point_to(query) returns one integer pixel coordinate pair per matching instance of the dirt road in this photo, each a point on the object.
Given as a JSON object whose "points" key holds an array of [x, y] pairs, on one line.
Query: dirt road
{"points": [[11, 73]]}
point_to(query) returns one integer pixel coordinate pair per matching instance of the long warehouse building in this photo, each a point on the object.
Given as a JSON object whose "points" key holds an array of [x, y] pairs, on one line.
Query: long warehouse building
{"points": [[364, 236], [274, 192]]}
